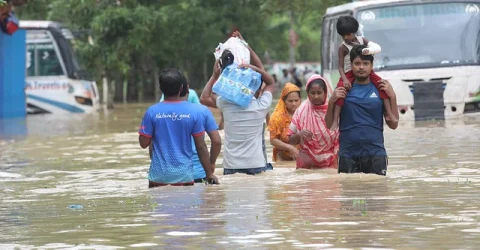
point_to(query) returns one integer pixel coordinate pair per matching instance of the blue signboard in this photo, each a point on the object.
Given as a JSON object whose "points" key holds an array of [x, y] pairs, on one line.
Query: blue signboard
{"points": [[12, 74]]}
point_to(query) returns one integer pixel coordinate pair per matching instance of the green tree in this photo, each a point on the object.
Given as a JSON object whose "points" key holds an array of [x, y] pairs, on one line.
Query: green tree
{"points": [[133, 39]]}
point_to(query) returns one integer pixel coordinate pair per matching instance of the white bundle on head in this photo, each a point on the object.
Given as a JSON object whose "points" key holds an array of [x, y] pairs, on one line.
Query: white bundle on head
{"points": [[237, 47]]}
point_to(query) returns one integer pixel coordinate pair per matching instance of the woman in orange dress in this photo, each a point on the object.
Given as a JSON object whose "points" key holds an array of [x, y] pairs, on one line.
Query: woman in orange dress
{"points": [[280, 122]]}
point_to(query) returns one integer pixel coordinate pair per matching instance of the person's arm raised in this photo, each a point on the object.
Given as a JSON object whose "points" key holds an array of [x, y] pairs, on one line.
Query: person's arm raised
{"points": [[208, 98], [339, 92], [254, 59]]}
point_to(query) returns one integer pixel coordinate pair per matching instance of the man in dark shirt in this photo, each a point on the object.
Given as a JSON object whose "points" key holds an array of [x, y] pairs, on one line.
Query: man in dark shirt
{"points": [[361, 119]]}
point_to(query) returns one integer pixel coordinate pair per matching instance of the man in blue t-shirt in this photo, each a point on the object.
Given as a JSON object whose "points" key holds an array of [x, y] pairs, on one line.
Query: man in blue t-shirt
{"points": [[211, 128], [169, 125], [361, 119]]}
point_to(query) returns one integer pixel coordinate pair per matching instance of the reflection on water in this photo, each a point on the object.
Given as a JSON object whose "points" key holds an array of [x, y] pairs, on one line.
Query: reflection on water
{"points": [[428, 199], [13, 128]]}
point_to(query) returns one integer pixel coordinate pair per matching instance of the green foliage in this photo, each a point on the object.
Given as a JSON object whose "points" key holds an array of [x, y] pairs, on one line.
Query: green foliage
{"points": [[134, 37]]}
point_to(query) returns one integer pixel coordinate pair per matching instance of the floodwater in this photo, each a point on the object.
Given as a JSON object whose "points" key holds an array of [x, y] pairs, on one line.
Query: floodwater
{"points": [[79, 182]]}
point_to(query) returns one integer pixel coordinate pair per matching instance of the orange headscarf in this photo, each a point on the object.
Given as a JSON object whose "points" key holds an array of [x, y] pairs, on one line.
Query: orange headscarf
{"points": [[280, 120]]}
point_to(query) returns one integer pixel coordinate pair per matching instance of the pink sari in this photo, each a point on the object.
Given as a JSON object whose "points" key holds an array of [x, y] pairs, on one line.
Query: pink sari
{"points": [[320, 151]]}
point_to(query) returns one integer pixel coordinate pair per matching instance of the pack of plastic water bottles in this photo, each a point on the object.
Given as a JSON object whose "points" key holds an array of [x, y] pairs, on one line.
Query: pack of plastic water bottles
{"points": [[237, 85]]}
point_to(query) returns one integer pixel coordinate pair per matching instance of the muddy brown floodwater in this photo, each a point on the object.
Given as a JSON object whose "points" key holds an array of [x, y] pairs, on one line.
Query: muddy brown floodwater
{"points": [[79, 182]]}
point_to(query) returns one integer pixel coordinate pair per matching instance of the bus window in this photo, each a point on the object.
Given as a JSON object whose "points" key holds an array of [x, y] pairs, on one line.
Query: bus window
{"points": [[331, 43], [334, 43], [325, 45], [42, 60]]}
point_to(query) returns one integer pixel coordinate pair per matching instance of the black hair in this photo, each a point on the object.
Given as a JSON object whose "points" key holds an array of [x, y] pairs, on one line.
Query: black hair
{"points": [[226, 59], [320, 82], [171, 81], [347, 25], [184, 90], [357, 51]]}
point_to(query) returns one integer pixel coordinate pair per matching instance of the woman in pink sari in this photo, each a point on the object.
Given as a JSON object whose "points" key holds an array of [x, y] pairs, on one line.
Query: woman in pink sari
{"points": [[318, 144]]}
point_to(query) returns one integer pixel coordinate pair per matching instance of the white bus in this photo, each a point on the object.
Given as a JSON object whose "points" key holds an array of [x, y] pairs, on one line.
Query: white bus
{"points": [[55, 82], [430, 52]]}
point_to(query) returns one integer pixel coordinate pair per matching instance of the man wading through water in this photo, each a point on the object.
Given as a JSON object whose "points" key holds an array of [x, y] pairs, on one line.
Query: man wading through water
{"points": [[243, 127], [362, 147], [170, 125]]}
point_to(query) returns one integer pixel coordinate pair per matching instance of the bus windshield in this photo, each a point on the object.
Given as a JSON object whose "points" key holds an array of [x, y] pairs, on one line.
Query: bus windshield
{"points": [[42, 56], [423, 35], [50, 53]]}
